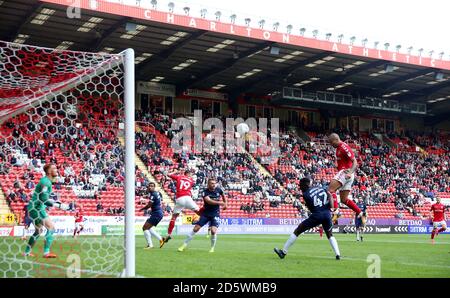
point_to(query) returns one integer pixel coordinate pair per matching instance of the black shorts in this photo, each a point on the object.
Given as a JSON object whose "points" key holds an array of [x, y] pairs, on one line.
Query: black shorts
{"points": [[214, 221], [358, 222], [154, 219], [314, 220]]}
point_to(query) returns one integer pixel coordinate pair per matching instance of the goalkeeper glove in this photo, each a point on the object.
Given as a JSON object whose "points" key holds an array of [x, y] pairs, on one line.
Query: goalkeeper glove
{"points": [[61, 206]]}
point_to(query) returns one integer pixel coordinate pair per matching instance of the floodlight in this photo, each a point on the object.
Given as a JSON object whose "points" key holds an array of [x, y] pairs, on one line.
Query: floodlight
{"points": [[315, 33], [218, 14], [171, 7], [275, 26], [289, 29], [233, 18], [261, 23], [203, 13]]}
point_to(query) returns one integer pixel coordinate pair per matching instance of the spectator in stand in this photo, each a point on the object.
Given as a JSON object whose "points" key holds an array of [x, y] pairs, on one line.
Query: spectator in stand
{"points": [[22, 195], [51, 148], [11, 196], [297, 204], [68, 170], [72, 206], [168, 209], [247, 208], [99, 207], [273, 204], [13, 161], [4, 169], [17, 183], [30, 184]]}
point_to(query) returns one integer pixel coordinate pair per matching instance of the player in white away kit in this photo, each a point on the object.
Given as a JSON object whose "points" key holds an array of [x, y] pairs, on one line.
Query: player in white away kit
{"points": [[184, 184]]}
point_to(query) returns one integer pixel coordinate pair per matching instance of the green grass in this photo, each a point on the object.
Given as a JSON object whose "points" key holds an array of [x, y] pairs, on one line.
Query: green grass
{"points": [[95, 256], [310, 256], [238, 256]]}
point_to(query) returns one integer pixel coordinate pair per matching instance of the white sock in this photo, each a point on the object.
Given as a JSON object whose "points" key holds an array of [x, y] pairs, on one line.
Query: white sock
{"points": [[357, 235], [289, 242], [189, 237], [334, 245], [148, 237], [155, 234], [213, 240]]}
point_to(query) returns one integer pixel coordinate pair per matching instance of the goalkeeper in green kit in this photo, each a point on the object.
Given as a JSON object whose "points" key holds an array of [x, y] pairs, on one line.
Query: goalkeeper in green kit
{"points": [[36, 211]]}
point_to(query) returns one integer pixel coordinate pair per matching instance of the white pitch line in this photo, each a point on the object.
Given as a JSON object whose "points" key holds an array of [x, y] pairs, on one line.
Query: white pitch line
{"points": [[386, 241], [365, 261], [368, 240], [351, 259]]}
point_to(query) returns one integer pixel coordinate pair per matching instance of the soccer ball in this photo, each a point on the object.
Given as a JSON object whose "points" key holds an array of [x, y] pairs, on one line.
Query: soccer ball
{"points": [[242, 128]]}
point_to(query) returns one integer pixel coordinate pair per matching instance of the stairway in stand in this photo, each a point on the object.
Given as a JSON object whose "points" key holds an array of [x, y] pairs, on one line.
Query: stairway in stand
{"points": [[265, 172], [4, 208], [143, 168]]}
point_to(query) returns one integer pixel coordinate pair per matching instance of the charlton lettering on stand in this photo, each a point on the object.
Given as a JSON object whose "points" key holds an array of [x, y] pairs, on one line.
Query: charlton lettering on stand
{"points": [[198, 23]]}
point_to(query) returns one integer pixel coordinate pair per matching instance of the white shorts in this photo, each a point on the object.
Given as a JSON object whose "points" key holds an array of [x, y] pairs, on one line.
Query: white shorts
{"points": [[346, 183], [78, 225], [185, 202], [439, 224]]}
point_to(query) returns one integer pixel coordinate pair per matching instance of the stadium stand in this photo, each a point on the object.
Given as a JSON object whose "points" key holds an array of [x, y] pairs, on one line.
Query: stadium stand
{"points": [[400, 172], [380, 181], [385, 177]]}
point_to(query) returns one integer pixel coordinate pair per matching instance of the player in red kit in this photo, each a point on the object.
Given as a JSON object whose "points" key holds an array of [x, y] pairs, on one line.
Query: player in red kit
{"points": [[343, 180], [78, 222], [438, 217], [184, 184]]}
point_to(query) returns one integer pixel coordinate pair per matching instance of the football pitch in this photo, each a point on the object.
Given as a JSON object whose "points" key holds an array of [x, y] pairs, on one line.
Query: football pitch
{"points": [[242, 256], [253, 256]]}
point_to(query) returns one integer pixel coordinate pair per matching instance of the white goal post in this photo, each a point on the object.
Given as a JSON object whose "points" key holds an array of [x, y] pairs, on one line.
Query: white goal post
{"points": [[130, 258]]}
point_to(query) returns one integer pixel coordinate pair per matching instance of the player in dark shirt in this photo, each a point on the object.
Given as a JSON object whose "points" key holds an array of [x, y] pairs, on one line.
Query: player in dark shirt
{"points": [[26, 221], [359, 222], [212, 197], [319, 201], [156, 216]]}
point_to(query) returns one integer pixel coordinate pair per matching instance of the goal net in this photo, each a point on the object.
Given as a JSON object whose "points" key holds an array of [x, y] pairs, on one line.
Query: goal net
{"points": [[70, 110]]}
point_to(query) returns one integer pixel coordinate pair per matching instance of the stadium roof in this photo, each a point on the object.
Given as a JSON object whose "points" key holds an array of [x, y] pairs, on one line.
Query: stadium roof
{"points": [[209, 54]]}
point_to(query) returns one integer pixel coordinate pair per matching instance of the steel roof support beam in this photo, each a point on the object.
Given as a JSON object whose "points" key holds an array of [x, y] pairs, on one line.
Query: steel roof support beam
{"points": [[25, 20], [422, 93], [145, 67], [382, 88], [434, 120], [337, 79], [228, 64], [283, 73], [99, 42]]}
